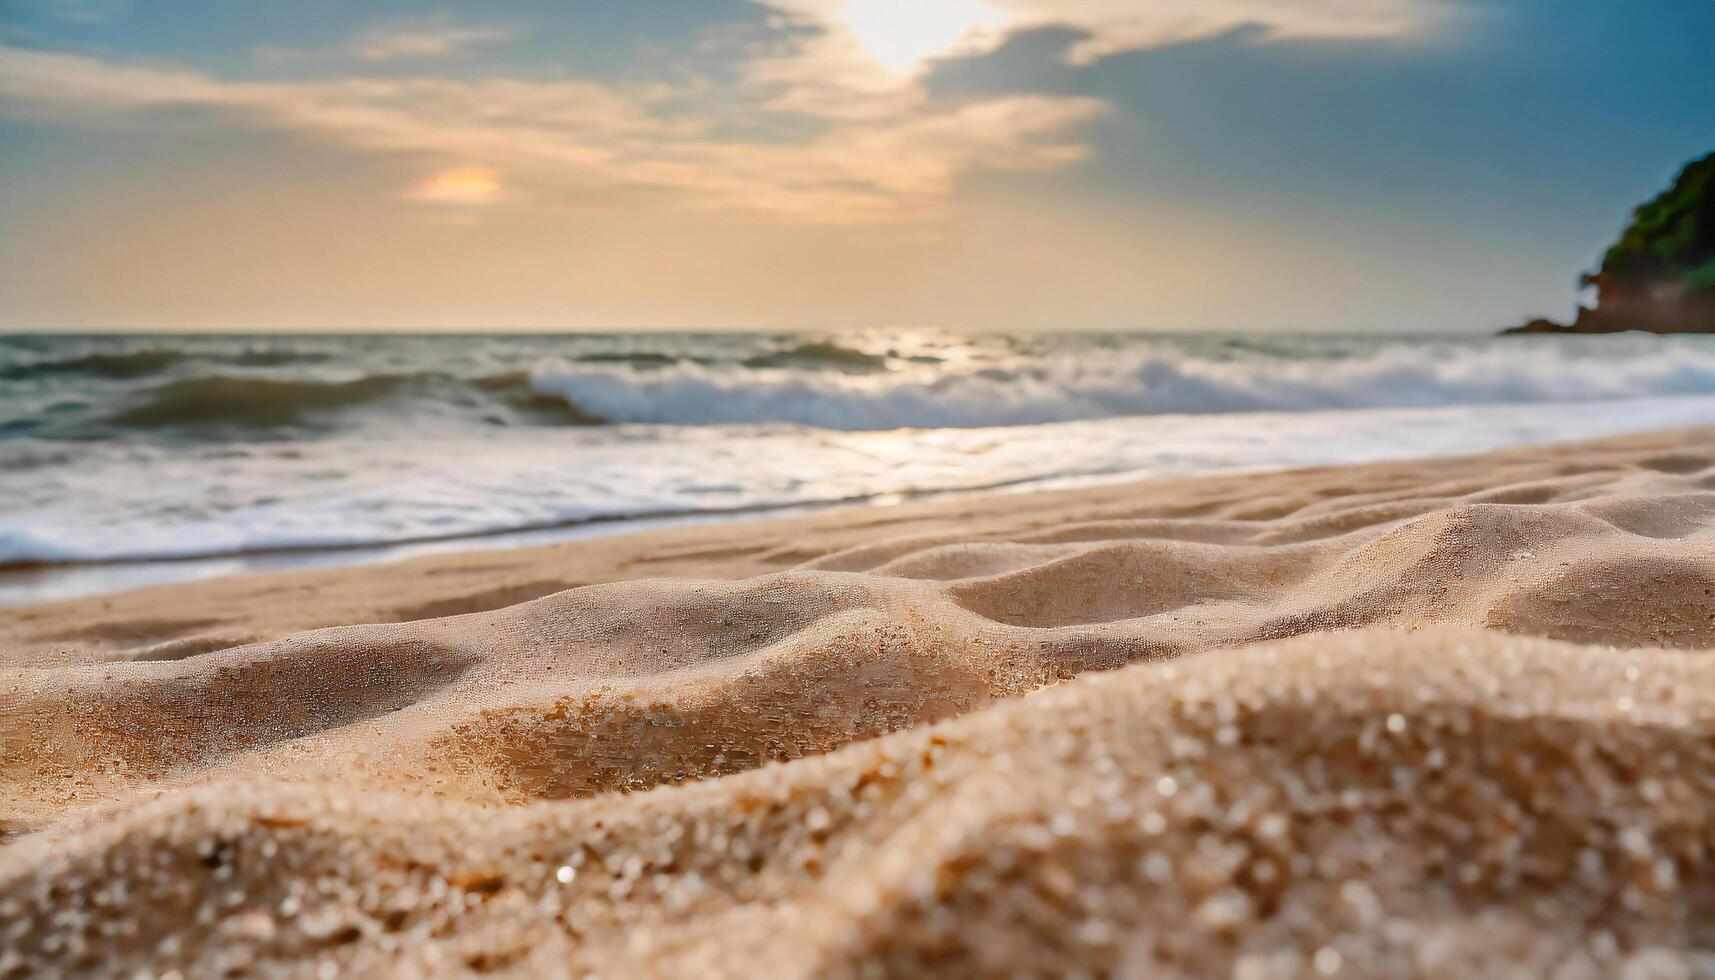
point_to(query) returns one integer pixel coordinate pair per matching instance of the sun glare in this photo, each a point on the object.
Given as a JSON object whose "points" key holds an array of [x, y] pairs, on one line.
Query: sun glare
{"points": [[903, 34], [466, 185]]}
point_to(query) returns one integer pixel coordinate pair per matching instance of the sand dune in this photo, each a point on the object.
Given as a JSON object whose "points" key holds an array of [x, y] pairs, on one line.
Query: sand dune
{"points": [[1494, 749]]}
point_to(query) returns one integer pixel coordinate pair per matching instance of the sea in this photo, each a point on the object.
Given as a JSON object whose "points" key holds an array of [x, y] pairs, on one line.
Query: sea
{"points": [[128, 460]]}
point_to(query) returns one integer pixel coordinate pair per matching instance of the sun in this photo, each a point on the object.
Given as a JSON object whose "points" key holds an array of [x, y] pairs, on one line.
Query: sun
{"points": [[465, 185], [901, 35]]}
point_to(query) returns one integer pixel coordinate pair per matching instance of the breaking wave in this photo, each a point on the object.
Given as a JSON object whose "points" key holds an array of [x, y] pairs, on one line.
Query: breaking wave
{"points": [[226, 400], [1071, 389], [751, 380]]}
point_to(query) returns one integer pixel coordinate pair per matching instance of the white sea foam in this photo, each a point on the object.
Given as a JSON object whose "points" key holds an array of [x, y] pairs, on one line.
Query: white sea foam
{"points": [[362, 491], [1155, 379]]}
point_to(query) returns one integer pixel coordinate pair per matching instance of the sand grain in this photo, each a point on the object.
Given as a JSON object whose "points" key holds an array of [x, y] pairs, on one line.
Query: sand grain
{"points": [[1440, 718]]}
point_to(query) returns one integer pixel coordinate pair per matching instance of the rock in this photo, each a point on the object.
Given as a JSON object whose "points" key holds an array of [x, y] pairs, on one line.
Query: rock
{"points": [[1660, 276]]}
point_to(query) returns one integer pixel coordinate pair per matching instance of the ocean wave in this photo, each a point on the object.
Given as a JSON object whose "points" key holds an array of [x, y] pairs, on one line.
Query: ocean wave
{"points": [[1150, 382], [229, 400], [142, 362], [804, 355], [822, 384], [279, 357], [645, 359], [516, 390], [101, 364], [818, 355]]}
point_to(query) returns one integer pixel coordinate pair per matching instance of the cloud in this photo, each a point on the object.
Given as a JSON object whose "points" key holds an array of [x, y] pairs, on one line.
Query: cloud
{"points": [[873, 47], [867, 59], [89, 11], [423, 39], [880, 147], [1116, 26], [863, 59], [583, 136], [418, 38]]}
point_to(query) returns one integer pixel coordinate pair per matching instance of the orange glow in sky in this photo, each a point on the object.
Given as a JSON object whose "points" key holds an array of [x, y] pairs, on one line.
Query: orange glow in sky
{"points": [[464, 185]]}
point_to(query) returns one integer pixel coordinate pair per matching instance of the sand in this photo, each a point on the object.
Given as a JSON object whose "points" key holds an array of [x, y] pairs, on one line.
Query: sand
{"points": [[1444, 717]]}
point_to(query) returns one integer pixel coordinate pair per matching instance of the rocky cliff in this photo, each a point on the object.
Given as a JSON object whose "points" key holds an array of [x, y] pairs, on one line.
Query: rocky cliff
{"points": [[1660, 275]]}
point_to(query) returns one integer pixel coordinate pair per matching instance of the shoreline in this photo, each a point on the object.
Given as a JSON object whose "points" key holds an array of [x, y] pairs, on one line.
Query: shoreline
{"points": [[1149, 448], [469, 580]]}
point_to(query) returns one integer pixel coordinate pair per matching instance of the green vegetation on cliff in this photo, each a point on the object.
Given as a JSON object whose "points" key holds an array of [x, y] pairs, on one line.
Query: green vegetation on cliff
{"points": [[1660, 275], [1671, 240]]}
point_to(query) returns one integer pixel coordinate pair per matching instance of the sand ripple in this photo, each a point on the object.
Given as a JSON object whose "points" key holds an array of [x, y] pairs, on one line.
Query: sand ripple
{"points": [[1494, 748]]}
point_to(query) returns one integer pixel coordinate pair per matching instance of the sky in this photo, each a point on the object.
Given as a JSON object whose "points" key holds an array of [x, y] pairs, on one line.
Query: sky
{"points": [[1304, 165]]}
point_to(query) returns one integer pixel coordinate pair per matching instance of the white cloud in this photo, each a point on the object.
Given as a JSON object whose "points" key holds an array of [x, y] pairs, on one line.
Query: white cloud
{"points": [[1116, 26], [873, 40], [896, 166], [423, 39], [882, 147], [417, 38], [866, 59]]}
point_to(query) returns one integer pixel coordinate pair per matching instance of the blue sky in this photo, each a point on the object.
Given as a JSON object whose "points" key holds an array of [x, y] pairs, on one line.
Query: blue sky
{"points": [[1384, 165]]}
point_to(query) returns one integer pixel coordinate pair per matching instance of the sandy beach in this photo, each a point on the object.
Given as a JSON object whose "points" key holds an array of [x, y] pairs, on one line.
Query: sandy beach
{"points": [[1443, 717], [823, 489]]}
